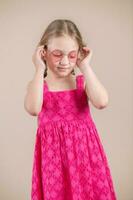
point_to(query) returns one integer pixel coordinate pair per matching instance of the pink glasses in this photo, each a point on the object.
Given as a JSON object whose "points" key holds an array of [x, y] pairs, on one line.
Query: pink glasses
{"points": [[57, 55]]}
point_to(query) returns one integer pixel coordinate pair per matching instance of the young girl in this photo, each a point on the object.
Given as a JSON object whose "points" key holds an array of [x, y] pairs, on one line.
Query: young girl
{"points": [[69, 159]]}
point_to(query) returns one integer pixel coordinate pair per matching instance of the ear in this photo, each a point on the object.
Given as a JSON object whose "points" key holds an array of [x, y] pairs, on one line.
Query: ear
{"points": [[80, 54], [44, 54]]}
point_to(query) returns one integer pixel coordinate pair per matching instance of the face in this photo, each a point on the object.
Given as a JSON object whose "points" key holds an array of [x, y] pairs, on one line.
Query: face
{"points": [[61, 55]]}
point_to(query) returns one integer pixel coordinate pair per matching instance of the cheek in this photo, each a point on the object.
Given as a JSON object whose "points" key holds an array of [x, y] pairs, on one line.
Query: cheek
{"points": [[53, 59], [52, 62], [73, 62]]}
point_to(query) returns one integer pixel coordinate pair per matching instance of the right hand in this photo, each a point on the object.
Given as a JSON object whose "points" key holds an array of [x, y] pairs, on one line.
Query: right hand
{"points": [[38, 57]]}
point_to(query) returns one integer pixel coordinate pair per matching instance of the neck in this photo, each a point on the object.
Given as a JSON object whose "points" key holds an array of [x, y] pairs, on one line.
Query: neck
{"points": [[52, 76]]}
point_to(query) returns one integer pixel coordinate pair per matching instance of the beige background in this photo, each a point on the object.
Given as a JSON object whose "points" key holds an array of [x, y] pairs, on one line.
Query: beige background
{"points": [[107, 26]]}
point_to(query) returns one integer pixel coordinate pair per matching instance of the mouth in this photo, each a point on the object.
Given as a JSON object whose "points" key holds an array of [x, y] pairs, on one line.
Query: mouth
{"points": [[62, 68]]}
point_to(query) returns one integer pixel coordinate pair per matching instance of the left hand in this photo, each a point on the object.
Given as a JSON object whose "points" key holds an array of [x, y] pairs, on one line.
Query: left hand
{"points": [[83, 59]]}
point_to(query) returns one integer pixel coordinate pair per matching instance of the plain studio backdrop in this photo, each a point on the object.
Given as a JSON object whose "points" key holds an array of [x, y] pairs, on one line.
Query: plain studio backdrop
{"points": [[107, 27]]}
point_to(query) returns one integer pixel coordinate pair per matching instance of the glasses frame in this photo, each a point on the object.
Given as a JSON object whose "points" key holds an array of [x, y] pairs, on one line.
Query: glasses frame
{"points": [[63, 54]]}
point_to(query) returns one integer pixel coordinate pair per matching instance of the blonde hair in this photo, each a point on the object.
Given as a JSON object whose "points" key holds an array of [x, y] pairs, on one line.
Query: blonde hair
{"points": [[61, 27]]}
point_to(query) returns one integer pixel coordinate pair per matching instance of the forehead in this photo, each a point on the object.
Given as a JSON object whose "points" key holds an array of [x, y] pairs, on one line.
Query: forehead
{"points": [[64, 43]]}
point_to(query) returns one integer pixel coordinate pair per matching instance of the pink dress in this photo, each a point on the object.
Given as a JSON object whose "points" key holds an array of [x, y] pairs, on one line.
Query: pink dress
{"points": [[69, 159]]}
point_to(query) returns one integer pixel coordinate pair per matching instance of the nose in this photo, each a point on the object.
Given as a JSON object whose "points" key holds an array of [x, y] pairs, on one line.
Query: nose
{"points": [[64, 60]]}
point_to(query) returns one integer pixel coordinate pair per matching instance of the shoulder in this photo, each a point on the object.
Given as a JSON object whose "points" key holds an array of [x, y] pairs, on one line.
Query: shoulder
{"points": [[81, 76]]}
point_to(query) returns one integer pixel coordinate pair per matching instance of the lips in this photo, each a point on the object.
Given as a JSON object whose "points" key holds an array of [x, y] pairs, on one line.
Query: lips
{"points": [[63, 68]]}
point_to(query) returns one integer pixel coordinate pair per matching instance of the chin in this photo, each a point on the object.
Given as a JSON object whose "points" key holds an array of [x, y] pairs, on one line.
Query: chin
{"points": [[64, 74], [65, 70]]}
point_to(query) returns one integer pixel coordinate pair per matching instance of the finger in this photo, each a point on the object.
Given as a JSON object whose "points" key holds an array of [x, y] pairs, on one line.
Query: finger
{"points": [[42, 51], [40, 47], [86, 49]]}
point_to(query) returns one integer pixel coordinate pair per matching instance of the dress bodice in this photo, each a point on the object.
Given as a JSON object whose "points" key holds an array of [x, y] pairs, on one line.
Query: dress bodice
{"points": [[64, 105]]}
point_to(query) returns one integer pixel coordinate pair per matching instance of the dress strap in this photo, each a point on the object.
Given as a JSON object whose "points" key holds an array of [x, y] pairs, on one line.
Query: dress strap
{"points": [[45, 86], [80, 81]]}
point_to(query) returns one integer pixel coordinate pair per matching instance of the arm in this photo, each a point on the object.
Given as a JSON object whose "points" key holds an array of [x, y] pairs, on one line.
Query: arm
{"points": [[34, 97], [96, 92]]}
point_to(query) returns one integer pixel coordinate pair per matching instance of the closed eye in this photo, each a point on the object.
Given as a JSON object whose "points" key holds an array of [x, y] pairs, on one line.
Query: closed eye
{"points": [[57, 53], [73, 54]]}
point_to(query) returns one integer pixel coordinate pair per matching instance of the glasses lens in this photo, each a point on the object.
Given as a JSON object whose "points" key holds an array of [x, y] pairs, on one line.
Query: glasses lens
{"points": [[57, 55], [73, 55]]}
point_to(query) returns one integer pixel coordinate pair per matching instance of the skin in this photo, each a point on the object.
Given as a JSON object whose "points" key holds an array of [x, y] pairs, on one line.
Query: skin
{"points": [[95, 91], [56, 79], [65, 44]]}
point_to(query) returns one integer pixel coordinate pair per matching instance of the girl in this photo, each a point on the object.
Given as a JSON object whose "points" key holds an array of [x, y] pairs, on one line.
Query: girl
{"points": [[69, 159]]}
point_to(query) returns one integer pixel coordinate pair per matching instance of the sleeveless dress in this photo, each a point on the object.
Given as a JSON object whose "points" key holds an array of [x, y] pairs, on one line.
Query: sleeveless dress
{"points": [[69, 159]]}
